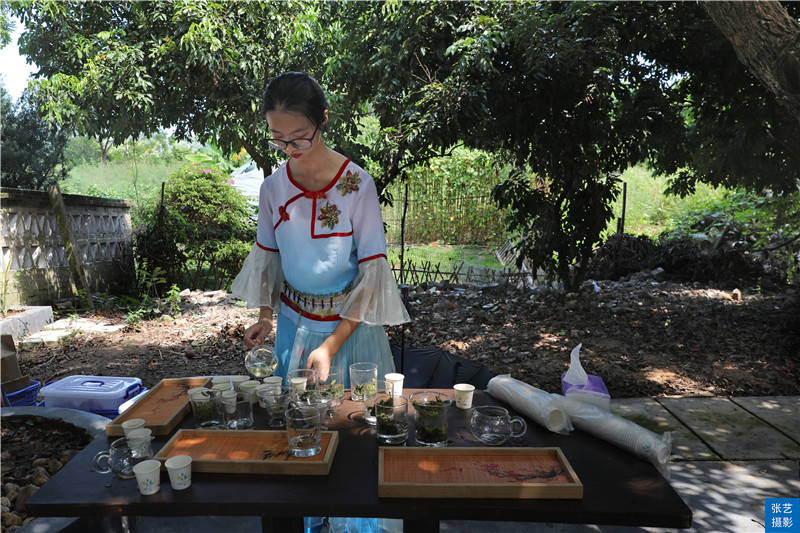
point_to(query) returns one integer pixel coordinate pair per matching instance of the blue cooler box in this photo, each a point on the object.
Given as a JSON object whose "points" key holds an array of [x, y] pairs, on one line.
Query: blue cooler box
{"points": [[102, 395]]}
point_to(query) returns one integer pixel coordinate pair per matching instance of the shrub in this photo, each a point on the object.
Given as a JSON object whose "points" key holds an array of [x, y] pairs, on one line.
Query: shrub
{"points": [[682, 259], [201, 235]]}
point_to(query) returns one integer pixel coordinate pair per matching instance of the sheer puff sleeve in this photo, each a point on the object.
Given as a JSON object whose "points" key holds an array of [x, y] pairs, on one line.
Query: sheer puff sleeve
{"points": [[260, 281], [375, 298]]}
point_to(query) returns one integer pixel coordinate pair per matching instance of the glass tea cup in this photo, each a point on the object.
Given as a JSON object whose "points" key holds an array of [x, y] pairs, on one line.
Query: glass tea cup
{"points": [[302, 428], [119, 460], [494, 426], [274, 402], [302, 379], [333, 387], [139, 442], [363, 381], [315, 398], [383, 387], [391, 413], [207, 408], [430, 417], [237, 409]]}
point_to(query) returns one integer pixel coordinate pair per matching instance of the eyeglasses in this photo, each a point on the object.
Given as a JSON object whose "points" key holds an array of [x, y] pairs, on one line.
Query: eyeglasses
{"points": [[300, 143]]}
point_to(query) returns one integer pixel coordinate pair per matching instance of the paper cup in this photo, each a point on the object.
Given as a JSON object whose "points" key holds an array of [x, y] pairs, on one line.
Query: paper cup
{"points": [[248, 388], [238, 380], [276, 382], [179, 469], [148, 476], [130, 425], [464, 393], [221, 387], [394, 381], [139, 442]]}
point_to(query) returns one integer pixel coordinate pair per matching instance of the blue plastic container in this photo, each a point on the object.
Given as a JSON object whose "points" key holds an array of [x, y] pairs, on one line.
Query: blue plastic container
{"points": [[26, 396], [98, 394]]}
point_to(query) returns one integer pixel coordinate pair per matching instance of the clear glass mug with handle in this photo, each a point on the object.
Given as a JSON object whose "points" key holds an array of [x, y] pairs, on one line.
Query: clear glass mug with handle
{"points": [[118, 459], [494, 426]]}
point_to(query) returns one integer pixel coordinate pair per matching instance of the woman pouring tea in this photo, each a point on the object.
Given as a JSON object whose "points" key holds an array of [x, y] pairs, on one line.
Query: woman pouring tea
{"points": [[319, 259]]}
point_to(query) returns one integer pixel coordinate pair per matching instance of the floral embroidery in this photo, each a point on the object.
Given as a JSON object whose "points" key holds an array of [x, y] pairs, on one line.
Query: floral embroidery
{"points": [[329, 215], [284, 215], [348, 183]]}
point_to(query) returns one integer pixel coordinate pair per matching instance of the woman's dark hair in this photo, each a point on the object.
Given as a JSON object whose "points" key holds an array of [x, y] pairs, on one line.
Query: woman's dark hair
{"points": [[296, 92]]}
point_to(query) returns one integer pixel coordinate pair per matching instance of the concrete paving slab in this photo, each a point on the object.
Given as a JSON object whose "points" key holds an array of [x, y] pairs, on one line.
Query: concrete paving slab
{"points": [[649, 414], [783, 412], [53, 333], [48, 338], [83, 324], [730, 431]]}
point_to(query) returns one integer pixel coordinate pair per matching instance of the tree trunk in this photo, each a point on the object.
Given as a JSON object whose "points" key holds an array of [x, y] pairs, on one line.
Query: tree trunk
{"points": [[260, 160], [767, 41]]}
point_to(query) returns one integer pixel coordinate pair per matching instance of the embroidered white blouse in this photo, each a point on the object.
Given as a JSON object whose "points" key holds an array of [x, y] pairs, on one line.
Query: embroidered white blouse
{"points": [[321, 243]]}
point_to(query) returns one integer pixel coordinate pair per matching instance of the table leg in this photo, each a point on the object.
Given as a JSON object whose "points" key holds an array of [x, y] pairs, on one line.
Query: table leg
{"points": [[282, 524], [421, 526]]}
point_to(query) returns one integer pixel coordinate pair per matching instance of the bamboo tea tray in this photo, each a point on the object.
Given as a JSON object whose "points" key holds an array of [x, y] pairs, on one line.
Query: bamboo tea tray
{"points": [[516, 473], [248, 452], [162, 407]]}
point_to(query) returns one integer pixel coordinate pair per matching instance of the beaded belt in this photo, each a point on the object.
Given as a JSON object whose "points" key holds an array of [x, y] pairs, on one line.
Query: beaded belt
{"points": [[321, 307]]}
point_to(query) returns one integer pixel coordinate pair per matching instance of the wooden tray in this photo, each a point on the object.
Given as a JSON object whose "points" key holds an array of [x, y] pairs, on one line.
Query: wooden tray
{"points": [[248, 452], [162, 407], [517, 473]]}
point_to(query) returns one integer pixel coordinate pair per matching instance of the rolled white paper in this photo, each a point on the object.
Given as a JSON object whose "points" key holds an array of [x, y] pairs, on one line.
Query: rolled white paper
{"points": [[540, 406], [621, 432]]}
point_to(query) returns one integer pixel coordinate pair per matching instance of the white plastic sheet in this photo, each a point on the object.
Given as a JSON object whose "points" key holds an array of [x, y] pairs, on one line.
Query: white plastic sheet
{"points": [[542, 407]]}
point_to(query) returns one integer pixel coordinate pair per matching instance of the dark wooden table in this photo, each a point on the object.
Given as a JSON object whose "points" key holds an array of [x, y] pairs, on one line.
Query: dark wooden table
{"points": [[619, 488]]}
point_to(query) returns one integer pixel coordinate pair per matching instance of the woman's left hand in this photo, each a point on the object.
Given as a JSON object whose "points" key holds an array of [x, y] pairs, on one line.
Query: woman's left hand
{"points": [[320, 360]]}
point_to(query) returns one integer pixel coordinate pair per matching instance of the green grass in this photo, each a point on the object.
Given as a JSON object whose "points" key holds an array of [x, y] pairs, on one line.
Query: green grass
{"points": [[116, 180], [649, 211]]}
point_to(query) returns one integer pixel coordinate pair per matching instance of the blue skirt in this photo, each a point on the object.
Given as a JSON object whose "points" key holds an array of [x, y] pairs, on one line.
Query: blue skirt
{"points": [[295, 340]]}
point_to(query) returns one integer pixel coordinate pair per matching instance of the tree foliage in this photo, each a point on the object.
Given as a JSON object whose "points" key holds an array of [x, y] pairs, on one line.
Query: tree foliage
{"points": [[201, 235], [32, 149], [570, 93]]}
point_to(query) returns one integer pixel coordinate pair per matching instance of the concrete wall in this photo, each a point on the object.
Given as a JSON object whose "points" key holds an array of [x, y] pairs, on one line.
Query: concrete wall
{"points": [[34, 264]]}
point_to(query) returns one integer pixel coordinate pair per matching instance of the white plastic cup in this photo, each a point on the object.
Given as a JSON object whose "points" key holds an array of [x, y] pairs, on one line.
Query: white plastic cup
{"points": [[248, 388], [394, 383], [139, 442], [179, 469], [222, 387], [464, 392], [148, 476], [276, 382], [221, 380], [238, 380], [130, 425]]}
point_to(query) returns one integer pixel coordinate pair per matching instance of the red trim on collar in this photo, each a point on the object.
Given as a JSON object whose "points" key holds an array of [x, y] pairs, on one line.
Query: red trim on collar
{"points": [[327, 187], [296, 308], [267, 248], [314, 195], [371, 258]]}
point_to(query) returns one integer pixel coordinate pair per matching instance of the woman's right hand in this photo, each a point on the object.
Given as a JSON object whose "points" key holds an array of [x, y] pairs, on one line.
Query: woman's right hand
{"points": [[258, 332]]}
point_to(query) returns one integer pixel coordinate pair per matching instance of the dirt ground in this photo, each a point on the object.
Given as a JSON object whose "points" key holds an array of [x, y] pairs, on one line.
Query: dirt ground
{"points": [[643, 337]]}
